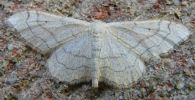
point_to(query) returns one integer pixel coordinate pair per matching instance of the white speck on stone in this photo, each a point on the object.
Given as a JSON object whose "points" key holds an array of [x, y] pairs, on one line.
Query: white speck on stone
{"points": [[165, 76], [10, 46], [176, 2], [180, 85], [74, 97], [12, 78]]}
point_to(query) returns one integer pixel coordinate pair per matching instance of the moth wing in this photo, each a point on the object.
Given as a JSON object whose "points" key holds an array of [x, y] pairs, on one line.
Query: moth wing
{"points": [[150, 38], [43, 31], [119, 66], [72, 61], [129, 44]]}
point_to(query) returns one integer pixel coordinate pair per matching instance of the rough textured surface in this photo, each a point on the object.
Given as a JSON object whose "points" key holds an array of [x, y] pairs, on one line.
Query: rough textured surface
{"points": [[172, 77], [113, 53]]}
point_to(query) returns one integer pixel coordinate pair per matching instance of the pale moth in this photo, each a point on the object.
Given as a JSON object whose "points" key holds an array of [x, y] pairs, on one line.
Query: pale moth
{"points": [[113, 53]]}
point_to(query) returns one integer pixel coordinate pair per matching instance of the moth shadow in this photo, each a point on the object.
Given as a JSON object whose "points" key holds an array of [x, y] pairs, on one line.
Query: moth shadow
{"points": [[90, 92]]}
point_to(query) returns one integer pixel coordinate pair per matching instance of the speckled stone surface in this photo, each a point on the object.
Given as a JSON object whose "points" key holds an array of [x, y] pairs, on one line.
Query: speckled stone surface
{"points": [[171, 77]]}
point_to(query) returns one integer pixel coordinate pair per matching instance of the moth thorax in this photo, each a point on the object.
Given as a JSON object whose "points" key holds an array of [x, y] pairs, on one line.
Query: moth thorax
{"points": [[99, 27]]}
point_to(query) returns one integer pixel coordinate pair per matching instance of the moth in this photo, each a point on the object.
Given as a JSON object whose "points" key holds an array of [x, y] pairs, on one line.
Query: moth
{"points": [[114, 53]]}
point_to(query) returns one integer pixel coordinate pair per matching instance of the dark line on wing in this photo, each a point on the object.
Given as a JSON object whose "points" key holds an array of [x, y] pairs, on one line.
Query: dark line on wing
{"points": [[32, 31], [156, 33], [138, 43], [161, 36], [37, 19]]}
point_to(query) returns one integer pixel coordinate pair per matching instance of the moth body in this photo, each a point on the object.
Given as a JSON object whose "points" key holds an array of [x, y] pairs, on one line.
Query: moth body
{"points": [[97, 28]]}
